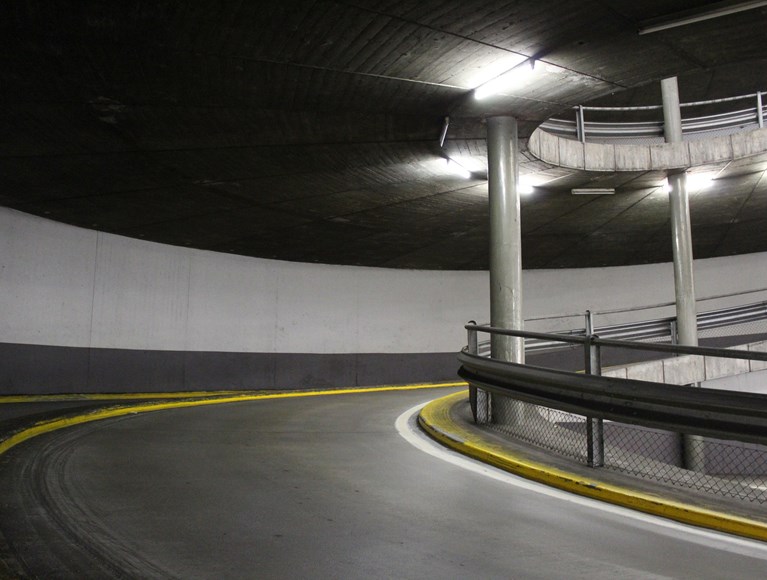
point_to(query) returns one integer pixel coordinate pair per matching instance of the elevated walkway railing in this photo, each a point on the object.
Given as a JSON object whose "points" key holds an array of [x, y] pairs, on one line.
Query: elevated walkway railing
{"points": [[719, 123], [627, 425]]}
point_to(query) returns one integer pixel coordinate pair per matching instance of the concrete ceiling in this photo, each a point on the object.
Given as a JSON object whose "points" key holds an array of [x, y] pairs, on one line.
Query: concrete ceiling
{"points": [[308, 130]]}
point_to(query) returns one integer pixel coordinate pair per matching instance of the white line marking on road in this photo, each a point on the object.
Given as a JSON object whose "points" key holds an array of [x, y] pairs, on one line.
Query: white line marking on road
{"points": [[407, 427]]}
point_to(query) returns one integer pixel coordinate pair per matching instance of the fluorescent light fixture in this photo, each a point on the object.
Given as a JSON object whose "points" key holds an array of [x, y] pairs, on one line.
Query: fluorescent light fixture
{"points": [[476, 165], [695, 181], [528, 182], [698, 181], [524, 188], [457, 169], [685, 17], [494, 68], [514, 78], [594, 191]]}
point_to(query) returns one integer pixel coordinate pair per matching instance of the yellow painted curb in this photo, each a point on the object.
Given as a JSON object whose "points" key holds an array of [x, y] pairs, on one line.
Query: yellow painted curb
{"points": [[8, 399], [436, 421], [212, 399], [63, 398]]}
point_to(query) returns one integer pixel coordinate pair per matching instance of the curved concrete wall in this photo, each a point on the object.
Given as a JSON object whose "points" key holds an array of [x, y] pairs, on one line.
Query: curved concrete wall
{"points": [[83, 310], [67, 286]]}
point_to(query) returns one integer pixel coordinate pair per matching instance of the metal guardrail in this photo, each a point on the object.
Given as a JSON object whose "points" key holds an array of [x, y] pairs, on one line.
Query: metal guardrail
{"points": [[714, 413], [739, 416], [580, 129], [713, 430]]}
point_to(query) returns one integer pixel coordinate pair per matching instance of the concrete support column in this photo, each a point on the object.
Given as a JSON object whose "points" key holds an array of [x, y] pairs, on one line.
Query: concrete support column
{"points": [[681, 230], [693, 455], [505, 256], [681, 240], [672, 114], [505, 237]]}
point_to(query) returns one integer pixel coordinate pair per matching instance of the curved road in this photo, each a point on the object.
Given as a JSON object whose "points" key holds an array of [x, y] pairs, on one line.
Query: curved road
{"points": [[316, 487]]}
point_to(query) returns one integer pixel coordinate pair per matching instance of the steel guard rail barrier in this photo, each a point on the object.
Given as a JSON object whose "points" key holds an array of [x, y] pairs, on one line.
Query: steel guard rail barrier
{"points": [[709, 412]]}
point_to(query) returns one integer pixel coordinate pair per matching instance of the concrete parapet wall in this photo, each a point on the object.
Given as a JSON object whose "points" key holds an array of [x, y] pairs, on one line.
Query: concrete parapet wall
{"points": [[625, 157], [687, 369]]}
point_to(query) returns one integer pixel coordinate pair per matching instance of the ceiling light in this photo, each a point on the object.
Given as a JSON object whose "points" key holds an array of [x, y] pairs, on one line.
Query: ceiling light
{"points": [[685, 17], [593, 191], [512, 79], [524, 188], [530, 181], [494, 68], [526, 184], [457, 169], [698, 181], [695, 181]]}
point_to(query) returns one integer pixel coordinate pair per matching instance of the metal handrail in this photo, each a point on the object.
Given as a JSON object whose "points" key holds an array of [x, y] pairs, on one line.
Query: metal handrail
{"points": [[659, 328], [597, 340], [580, 128], [683, 409]]}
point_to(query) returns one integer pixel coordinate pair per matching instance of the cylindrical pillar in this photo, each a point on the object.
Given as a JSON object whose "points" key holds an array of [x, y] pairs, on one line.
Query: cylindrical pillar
{"points": [[505, 256], [672, 114], [505, 237], [693, 455], [681, 240], [681, 231]]}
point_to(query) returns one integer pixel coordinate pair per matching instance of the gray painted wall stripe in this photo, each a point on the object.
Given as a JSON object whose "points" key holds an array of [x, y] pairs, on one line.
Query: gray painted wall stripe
{"points": [[37, 369]]}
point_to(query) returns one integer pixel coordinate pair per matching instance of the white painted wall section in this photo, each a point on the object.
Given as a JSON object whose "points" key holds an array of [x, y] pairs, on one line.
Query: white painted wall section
{"points": [[46, 281], [140, 298], [66, 286], [232, 300]]}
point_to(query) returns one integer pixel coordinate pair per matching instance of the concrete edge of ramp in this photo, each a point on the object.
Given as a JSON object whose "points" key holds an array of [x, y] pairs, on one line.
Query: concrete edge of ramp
{"points": [[186, 400], [437, 421]]}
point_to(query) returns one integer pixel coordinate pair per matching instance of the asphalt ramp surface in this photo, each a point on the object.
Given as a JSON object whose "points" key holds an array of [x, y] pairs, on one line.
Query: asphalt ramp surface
{"points": [[314, 487]]}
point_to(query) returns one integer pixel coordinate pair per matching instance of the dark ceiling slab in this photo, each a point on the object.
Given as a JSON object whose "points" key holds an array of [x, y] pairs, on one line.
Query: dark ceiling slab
{"points": [[307, 130]]}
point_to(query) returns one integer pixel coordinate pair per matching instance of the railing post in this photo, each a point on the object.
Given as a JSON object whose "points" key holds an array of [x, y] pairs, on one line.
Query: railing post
{"points": [[595, 436], [473, 344], [479, 400], [759, 113], [589, 323], [580, 124]]}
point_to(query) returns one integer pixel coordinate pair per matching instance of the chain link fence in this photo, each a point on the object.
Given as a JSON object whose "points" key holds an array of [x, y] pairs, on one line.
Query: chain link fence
{"points": [[557, 431], [726, 468], [731, 469]]}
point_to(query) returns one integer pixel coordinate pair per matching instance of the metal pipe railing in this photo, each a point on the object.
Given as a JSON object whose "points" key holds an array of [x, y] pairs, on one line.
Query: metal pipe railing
{"points": [[658, 328], [737, 416], [721, 427], [595, 340], [580, 129]]}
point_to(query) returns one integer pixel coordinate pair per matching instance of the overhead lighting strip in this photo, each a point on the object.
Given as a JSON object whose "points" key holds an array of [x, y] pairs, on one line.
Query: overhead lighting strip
{"points": [[511, 79], [593, 191]]}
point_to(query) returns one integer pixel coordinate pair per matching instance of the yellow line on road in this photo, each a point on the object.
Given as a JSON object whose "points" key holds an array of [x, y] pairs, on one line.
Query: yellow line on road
{"points": [[69, 397], [210, 398], [436, 420]]}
